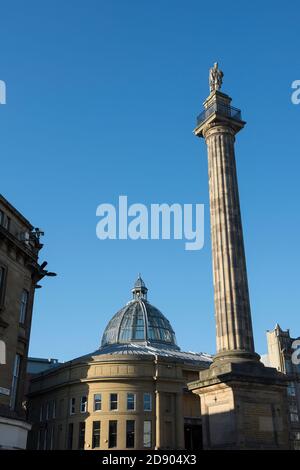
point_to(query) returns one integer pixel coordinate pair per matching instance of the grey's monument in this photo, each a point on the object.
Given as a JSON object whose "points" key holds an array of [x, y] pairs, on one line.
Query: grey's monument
{"points": [[243, 403]]}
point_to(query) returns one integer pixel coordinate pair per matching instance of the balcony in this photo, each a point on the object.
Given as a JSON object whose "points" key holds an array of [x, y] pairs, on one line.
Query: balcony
{"points": [[221, 109]]}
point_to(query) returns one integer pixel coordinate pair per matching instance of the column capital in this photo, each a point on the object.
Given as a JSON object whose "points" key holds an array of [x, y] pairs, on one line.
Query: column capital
{"points": [[218, 111], [214, 128]]}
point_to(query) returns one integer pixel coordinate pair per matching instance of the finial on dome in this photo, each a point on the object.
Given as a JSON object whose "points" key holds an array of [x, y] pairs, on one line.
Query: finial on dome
{"points": [[139, 290]]}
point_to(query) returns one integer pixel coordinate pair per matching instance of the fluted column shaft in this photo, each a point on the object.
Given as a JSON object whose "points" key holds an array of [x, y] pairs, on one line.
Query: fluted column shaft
{"points": [[232, 305]]}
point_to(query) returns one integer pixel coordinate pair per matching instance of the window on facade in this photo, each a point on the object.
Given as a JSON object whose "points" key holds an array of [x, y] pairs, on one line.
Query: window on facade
{"points": [[147, 402], [47, 411], [112, 434], [81, 435], [6, 223], [97, 402], [113, 401], [294, 417], [51, 438], [70, 436], [39, 440], [291, 390], [61, 408], [147, 434], [15, 381], [72, 406], [2, 284], [96, 434], [23, 307], [293, 408], [42, 439], [288, 366], [53, 409], [168, 403], [83, 404], [4, 220], [130, 427], [45, 439], [130, 401], [41, 412]]}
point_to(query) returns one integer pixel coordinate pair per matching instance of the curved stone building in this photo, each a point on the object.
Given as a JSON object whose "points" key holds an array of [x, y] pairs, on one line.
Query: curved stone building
{"points": [[129, 394]]}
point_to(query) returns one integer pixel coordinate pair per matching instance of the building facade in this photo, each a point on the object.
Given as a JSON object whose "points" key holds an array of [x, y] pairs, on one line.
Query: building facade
{"points": [[282, 355], [129, 394], [19, 273]]}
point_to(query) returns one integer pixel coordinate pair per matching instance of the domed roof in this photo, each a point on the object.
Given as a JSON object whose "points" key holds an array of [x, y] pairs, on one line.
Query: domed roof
{"points": [[139, 321]]}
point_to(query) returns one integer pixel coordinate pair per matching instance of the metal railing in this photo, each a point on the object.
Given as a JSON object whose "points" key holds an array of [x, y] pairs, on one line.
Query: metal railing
{"points": [[224, 110]]}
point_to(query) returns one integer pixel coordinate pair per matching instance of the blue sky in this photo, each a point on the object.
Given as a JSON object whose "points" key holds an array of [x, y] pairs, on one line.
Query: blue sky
{"points": [[102, 98]]}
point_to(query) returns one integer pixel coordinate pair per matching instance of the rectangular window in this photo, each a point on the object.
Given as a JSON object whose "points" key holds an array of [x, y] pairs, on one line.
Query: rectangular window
{"points": [[97, 402], [72, 406], [294, 417], [47, 411], [288, 366], [70, 436], [147, 402], [52, 438], [2, 284], [83, 404], [81, 435], [4, 220], [147, 434], [42, 439], [293, 408], [96, 434], [130, 401], [112, 434], [130, 425], [291, 389], [61, 408], [39, 440], [15, 381], [53, 409], [41, 412], [24, 305], [45, 439], [113, 401]]}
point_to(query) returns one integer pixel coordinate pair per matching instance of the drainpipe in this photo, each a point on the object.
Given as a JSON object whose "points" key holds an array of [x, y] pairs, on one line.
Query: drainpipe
{"points": [[157, 408]]}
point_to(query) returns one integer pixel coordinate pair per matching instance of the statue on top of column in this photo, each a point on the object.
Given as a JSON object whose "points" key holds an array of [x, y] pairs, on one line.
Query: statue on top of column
{"points": [[215, 78]]}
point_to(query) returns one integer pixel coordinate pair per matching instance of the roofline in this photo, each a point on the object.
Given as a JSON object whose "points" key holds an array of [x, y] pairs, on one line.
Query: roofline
{"points": [[44, 360], [15, 212], [89, 359]]}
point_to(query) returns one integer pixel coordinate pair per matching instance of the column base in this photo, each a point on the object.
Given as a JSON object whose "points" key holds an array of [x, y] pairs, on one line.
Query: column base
{"points": [[243, 406], [236, 356]]}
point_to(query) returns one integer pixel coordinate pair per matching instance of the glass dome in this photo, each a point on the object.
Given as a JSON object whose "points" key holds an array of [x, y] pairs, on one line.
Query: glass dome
{"points": [[139, 321]]}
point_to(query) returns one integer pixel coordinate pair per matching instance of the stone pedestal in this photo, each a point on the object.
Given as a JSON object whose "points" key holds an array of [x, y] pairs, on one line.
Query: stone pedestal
{"points": [[243, 406]]}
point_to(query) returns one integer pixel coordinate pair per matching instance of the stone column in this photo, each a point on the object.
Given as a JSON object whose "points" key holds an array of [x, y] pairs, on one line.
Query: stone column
{"points": [[157, 424], [232, 306], [218, 124], [243, 403], [179, 421]]}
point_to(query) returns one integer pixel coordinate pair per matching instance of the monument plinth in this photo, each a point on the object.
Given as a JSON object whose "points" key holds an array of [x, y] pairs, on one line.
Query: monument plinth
{"points": [[243, 403]]}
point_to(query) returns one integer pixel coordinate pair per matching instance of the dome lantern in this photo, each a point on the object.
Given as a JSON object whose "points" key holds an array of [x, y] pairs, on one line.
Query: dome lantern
{"points": [[139, 290]]}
